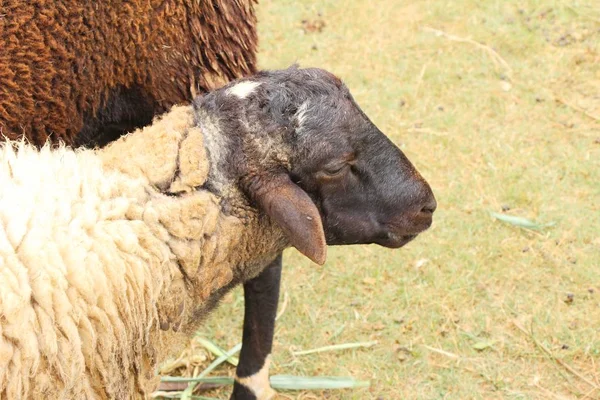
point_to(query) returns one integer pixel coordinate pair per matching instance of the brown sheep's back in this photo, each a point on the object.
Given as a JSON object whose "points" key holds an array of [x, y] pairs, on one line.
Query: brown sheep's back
{"points": [[70, 69]]}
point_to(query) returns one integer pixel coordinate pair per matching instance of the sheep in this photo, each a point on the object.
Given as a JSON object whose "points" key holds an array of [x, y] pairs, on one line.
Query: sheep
{"points": [[101, 271], [84, 73], [111, 257]]}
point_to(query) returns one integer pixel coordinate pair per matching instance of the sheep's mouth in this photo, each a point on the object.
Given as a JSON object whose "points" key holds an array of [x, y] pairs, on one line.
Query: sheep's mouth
{"points": [[394, 241]]}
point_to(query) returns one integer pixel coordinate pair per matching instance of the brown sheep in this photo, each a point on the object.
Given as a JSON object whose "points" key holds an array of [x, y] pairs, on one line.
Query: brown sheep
{"points": [[86, 72]]}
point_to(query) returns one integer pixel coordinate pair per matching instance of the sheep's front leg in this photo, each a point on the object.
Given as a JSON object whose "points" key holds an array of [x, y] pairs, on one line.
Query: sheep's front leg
{"points": [[261, 295]]}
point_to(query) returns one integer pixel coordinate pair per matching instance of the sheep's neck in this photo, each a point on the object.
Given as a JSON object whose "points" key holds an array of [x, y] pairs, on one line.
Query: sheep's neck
{"points": [[168, 155], [212, 249], [208, 250]]}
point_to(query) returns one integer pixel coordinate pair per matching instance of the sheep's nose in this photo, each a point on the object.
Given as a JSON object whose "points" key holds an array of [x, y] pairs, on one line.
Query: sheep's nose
{"points": [[430, 205]]}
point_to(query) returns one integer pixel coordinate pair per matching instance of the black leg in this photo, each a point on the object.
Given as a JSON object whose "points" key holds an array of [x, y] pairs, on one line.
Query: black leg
{"points": [[261, 295]]}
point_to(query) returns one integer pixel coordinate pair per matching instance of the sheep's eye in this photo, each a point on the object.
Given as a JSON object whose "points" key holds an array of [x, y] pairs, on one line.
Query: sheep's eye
{"points": [[337, 168], [334, 171]]}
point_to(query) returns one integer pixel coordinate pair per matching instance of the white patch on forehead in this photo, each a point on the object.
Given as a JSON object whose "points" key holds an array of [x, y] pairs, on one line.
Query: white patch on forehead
{"points": [[243, 89], [259, 382]]}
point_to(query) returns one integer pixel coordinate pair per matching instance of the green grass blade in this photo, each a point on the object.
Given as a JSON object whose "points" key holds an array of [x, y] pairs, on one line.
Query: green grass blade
{"points": [[287, 382], [187, 393], [335, 347], [483, 344], [216, 350], [338, 331], [520, 222], [220, 360], [217, 380]]}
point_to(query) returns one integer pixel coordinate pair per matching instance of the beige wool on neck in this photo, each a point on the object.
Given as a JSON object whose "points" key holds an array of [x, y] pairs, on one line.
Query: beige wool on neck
{"points": [[102, 272]]}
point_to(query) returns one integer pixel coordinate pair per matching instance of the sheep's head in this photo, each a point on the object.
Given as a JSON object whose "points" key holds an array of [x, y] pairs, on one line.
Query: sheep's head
{"points": [[307, 156]]}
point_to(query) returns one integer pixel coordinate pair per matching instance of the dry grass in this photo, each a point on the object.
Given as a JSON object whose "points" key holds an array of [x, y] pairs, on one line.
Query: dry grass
{"points": [[497, 103]]}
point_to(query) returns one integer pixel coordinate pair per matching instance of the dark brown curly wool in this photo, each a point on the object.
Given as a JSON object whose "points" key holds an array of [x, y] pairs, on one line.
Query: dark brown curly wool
{"points": [[70, 69]]}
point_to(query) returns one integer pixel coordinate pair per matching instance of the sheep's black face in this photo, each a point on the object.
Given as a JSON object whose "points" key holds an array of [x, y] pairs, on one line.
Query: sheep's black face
{"points": [[366, 190], [308, 156]]}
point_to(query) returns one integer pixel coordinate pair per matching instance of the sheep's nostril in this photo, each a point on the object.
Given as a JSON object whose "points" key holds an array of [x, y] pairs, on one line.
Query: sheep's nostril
{"points": [[430, 206]]}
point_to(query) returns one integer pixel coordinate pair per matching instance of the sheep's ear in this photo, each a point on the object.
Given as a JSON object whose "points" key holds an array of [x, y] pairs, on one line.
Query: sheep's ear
{"points": [[293, 210]]}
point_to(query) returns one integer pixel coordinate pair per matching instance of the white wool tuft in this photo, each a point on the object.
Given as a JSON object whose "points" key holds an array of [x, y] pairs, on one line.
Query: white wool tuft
{"points": [[243, 89], [301, 114]]}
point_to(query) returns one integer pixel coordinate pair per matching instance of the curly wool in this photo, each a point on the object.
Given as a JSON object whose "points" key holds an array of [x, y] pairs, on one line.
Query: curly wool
{"points": [[103, 271], [60, 61]]}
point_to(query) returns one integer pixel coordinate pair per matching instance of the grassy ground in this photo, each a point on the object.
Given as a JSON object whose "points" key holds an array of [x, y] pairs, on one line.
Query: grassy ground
{"points": [[497, 103]]}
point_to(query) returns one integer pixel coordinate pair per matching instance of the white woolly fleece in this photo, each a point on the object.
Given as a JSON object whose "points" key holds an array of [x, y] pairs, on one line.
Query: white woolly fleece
{"points": [[101, 274]]}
